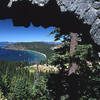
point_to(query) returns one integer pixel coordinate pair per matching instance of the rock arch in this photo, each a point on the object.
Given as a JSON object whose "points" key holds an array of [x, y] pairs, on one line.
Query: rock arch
{"points": [[69, 15]]}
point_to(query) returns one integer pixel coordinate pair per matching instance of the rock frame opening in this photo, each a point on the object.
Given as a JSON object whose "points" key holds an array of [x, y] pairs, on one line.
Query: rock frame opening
{"points": [[79, 16]]}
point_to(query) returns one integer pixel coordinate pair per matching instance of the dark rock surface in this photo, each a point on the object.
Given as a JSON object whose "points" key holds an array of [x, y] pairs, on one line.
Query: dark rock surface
{"points": [[83, 14]]}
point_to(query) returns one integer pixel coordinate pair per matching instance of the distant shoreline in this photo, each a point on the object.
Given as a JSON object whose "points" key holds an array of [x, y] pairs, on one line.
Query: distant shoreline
{"points": [[37, 52], [28, 50]]}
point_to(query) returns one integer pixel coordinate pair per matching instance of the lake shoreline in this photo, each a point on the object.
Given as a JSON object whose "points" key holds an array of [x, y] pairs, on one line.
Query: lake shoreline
{"points": [[27, 50], [37, 52]]}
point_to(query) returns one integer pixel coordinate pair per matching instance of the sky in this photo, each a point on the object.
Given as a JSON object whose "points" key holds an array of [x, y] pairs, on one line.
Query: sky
{"points": [[10, 33]]}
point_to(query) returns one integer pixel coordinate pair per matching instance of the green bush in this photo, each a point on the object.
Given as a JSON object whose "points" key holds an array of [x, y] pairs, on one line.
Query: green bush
{"points": [[18, 89], [2, 97], [38, 90]]}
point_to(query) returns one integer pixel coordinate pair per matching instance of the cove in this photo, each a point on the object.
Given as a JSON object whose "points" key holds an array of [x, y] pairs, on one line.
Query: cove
{"points": [[21, 55]]}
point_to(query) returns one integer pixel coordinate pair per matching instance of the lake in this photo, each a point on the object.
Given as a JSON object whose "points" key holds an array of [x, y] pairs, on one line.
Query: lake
{"points": [[19, 55]]}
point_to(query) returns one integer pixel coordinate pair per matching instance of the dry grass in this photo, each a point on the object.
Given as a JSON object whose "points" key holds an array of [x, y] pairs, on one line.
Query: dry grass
{"points": [[43, 68]]}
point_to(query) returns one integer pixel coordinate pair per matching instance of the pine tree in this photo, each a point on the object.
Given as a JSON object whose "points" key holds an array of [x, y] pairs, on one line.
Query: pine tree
{"points": [[79, 60]]}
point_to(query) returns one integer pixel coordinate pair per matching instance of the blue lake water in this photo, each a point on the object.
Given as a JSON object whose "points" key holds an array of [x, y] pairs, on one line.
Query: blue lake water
{"points": [[18, 55]]}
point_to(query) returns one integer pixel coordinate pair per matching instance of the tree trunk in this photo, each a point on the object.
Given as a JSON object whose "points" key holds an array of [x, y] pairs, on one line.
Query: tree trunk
{"points": [[73, 44]]}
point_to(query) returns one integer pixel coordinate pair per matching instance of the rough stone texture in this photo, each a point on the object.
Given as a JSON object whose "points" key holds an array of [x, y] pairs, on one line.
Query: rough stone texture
{"points": [[38, 2], [98, 13], [96, 5], [95, 31], [87, 10]]}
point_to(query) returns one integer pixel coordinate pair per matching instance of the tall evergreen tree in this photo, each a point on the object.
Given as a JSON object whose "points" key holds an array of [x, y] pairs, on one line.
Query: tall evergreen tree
{"points": [[79, 60]]}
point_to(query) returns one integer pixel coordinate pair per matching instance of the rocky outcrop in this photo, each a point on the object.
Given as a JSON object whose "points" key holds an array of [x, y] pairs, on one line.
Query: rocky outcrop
{"points": [[86, 10], [38, 2]]}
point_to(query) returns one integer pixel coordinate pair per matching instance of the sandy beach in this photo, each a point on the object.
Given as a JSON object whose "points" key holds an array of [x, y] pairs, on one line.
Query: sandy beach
{"points": [[37, 52]]}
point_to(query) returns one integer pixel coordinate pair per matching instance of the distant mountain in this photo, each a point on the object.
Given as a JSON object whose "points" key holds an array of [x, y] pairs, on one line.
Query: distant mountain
{"points": [[2, 44], [7, 42]]}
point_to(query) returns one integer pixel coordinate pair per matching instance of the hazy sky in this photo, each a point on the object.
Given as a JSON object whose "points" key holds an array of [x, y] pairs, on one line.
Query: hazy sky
{"points": [[10, 33]]}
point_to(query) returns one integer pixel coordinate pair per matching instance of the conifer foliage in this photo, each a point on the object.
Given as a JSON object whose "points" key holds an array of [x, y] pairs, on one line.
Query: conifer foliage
{"points": [[78, 61]]}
